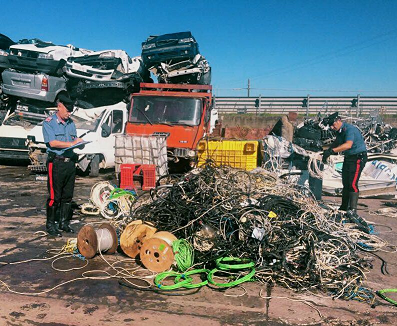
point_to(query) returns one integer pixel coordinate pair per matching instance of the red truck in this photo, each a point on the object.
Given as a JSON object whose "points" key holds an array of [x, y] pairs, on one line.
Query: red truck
{"points": [[182, 112]]}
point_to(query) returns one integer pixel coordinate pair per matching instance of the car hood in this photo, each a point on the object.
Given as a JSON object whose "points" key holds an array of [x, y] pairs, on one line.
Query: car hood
{"points": [[105, 53], [97, 60], [169, 38], [58, 51]]}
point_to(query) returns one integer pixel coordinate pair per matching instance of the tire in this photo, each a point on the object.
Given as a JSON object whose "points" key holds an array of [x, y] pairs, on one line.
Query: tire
{"points": [[94, 166]]}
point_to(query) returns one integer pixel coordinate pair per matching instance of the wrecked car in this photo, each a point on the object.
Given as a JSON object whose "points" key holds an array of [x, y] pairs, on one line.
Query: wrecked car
{"points": [[35, 55], [99, 126], [191, 71], [169, 48], [37, 86], [104, 65]]}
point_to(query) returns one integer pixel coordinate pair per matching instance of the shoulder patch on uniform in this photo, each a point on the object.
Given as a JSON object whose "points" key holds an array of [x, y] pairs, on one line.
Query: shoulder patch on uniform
{"points": [[48, 119]]}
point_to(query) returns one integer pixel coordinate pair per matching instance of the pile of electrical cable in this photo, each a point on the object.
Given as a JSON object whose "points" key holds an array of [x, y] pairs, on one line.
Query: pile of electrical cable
{"points": [[226, 212]]}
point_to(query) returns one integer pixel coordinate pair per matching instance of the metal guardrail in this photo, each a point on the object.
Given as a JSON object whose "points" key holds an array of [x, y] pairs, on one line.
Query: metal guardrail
{"points": [[354, 106]]}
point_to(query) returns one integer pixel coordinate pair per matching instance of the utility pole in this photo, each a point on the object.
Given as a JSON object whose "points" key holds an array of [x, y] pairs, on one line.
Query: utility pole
{"points": [[308, 106], [248, 88]]}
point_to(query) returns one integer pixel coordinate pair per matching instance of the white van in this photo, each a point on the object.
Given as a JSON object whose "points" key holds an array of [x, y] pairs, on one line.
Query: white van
{"points": [[98, 125]]}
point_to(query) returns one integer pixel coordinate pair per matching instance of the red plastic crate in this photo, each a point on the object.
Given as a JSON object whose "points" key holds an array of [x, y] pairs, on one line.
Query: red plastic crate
{"points": [[127, 172], [149, 176]]}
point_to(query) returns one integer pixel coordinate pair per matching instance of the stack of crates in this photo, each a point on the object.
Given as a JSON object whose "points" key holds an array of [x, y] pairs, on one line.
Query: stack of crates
{"points": [[127, 172], [141, 149], [235, 153]]}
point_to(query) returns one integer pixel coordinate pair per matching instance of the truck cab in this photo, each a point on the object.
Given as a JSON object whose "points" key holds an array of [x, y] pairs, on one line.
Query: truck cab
{"points": [[181, 112], [99, 126]]}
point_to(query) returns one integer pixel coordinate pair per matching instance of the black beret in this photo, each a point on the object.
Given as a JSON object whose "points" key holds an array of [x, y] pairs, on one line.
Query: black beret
{"points": [[66, 101], [329, 121]]}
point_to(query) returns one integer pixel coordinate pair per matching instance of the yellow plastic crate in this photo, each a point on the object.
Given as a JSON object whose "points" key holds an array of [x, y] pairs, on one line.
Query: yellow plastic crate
{"points": [[240, 154]]}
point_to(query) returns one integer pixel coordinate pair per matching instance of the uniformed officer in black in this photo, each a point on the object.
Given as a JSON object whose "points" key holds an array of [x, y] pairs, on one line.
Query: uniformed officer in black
{"points": [[350, 143], [59, 133]]}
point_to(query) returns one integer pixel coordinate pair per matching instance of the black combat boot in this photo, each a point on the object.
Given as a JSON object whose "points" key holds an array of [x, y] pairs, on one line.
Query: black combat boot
{"points": [[353, 199], [50, 224], [362, 224], [66, 216]]}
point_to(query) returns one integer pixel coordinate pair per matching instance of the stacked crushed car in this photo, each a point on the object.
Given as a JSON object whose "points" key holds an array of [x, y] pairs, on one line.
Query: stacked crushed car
{"points": [[175, 58], [34, 73]]}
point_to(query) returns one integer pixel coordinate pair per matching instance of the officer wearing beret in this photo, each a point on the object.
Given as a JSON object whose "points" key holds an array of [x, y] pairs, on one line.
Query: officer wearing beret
{"points": [[59, 133], [350, 143]]}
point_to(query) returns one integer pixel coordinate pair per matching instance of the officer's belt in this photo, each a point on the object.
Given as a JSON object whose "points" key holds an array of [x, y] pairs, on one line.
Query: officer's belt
{"points": [[62, 158], [358, 155]]}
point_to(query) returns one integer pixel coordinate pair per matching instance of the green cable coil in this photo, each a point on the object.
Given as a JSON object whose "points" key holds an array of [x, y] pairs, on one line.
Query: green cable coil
{"points": [[241, 263], [162, 276], [192, 272], [118, 192], [230, 284], [184, 256], [381, 293]]}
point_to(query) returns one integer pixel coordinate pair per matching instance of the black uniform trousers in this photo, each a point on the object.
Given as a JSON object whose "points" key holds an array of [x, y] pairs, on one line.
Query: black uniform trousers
{"points": [[353, 165], [60, 181]]}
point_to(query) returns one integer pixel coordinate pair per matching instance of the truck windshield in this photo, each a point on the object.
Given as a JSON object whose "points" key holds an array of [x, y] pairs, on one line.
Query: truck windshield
{"points": [[90, 125], [167, 110]]}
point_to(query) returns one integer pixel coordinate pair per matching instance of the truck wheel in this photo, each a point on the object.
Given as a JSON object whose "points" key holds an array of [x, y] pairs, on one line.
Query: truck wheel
{"points": [[94, 166]]}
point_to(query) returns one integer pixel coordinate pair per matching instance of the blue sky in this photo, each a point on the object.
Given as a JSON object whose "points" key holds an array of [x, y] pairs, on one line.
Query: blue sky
{"points": [[285, 48]]}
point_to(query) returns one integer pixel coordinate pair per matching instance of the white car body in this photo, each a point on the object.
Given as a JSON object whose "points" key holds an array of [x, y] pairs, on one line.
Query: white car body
{"points": [[43, 57], [89, 69], [89, 124], [57, 52]]}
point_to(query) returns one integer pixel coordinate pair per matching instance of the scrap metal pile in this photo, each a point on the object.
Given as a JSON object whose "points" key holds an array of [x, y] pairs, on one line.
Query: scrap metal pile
{"points": [[379, 136], [225, 212]]}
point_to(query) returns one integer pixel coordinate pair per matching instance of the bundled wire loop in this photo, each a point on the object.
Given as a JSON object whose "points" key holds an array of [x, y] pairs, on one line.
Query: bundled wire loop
{"points": [[111, 202]]}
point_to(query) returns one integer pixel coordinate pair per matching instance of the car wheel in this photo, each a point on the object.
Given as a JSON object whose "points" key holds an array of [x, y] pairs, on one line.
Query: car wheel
{"points": [[94, 166]]}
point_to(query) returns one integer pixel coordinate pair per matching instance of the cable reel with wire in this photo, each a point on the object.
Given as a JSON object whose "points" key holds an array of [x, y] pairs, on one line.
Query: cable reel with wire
{"points": [[91, 241]]}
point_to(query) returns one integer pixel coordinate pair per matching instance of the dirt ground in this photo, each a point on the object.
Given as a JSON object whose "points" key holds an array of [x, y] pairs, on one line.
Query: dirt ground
{"points": [[105, 302]]}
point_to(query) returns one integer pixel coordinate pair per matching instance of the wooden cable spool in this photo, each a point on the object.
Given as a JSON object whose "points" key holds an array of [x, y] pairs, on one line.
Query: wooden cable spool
{"points": [[91, 241], [133, 237], [156, 252]]}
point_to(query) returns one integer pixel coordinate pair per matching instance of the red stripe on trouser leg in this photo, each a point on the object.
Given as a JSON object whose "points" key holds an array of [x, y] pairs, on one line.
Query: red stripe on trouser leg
{"points": [[50, 165], [355, 176]]}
